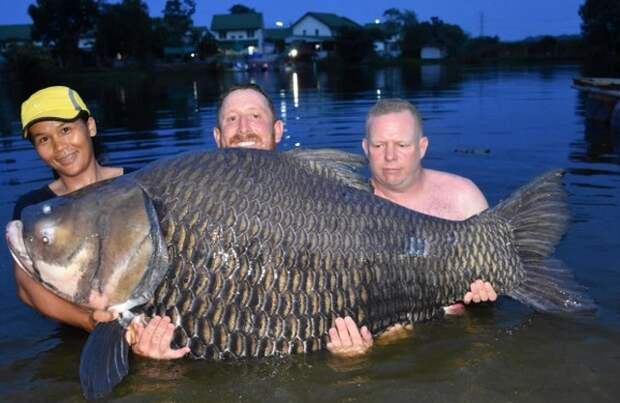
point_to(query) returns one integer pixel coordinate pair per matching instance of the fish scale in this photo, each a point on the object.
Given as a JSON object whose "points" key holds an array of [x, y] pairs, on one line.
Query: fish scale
{"points": [[327, 241]]}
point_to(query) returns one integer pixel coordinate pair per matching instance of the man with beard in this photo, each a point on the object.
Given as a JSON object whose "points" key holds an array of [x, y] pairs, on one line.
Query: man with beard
{"points": [[246, 118]]}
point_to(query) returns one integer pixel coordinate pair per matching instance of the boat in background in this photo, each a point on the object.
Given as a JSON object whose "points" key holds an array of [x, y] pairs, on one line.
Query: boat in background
{"points": [[602, 103]]}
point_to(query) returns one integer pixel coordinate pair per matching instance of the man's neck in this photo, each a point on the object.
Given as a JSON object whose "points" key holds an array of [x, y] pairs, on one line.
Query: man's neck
{"points": [[403, 196]]}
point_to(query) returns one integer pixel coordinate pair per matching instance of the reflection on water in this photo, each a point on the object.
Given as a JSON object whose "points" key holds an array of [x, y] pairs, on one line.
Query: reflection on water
{"points": [[526, 119]]}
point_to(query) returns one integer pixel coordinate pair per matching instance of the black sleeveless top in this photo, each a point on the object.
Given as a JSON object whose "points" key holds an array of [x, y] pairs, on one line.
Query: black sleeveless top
{"points": [[40, 195]]}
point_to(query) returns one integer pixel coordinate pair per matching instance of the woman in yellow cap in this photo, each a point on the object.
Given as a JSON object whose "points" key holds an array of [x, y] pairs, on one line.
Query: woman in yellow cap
{"points": [[60, 127]]}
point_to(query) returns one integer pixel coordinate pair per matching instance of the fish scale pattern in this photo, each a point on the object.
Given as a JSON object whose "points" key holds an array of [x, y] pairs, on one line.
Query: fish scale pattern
{"points": [[265, 251]]}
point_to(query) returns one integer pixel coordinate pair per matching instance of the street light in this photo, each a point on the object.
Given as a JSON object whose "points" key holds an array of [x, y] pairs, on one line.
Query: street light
{"points": [[293, 53]]}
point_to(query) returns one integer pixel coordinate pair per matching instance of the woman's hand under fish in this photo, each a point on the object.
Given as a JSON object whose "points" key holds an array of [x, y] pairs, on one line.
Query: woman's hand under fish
{"points": [[153, 340]]}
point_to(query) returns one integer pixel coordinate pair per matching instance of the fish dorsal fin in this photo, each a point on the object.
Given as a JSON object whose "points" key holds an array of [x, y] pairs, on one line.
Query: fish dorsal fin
{"points": [[337, 165]]}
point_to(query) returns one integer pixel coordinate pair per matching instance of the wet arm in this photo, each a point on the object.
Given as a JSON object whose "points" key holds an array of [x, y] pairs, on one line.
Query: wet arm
{"points": [[47, 303], [153, 341]]}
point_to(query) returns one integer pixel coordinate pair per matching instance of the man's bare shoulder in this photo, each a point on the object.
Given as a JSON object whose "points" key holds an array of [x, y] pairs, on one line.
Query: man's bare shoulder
{"points": [[464, 193], [449, 180]]}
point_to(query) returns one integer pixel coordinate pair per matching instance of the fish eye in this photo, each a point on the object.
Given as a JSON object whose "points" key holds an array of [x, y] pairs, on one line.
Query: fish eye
{"points": [[45, 240]]}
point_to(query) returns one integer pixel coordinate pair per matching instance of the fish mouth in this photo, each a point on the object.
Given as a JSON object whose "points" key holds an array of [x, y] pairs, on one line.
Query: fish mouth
{"points": [[17, 247]]}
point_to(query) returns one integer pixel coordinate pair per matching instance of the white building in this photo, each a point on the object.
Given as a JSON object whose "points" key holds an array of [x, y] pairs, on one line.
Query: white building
{"points": [[316, 32], [239, 33]]}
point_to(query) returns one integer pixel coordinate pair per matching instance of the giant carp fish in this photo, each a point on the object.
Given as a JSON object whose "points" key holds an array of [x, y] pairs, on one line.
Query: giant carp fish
{"points": [[254, 253]]}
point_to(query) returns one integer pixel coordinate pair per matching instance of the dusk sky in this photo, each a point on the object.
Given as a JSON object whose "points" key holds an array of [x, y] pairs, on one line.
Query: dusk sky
{"points": [[509, 19]]}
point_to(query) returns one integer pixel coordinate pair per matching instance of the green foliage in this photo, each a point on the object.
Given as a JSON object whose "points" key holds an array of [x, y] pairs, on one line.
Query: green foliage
{"points": [[601, 26], [33, 65], [395, 21], [207, 46], [178, 20], [434, 33], [124, 29], [484, 47], [241, 9], [354, 44], [60, 23]]}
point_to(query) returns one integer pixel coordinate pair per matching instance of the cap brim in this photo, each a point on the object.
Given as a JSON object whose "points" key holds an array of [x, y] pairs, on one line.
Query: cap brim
{"points": [[59, 115]]}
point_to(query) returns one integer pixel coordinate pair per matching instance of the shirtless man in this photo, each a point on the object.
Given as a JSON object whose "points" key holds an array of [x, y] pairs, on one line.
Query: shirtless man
{"points": [[395, 146]]}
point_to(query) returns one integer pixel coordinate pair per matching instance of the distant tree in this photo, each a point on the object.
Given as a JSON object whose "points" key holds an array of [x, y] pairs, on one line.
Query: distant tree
{"points": [[396, 21], [480, 48], [33, 65], [400, 19], [61, 23], [544, 47], [178, 19], [124, 29], [354, 44], [414, 38], [241, 9], [601, 26], [434, 33], [207, 45]]}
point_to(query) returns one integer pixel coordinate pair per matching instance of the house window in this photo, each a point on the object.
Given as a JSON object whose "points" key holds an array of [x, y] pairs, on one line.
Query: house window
{"points": [[250, 33], [316, 32]]}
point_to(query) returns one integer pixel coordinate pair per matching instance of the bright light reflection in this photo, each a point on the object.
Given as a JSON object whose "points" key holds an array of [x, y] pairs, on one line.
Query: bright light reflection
{"points": [[295, 90]]}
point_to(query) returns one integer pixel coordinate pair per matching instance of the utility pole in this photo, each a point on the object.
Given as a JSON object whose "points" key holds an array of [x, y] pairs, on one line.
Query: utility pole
{"points": [[481, 23]]}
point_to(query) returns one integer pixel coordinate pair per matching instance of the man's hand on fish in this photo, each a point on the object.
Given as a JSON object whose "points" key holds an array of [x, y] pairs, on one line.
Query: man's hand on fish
{"points": [[153, 341], [347, 340], [480, 292], [150, 341]]}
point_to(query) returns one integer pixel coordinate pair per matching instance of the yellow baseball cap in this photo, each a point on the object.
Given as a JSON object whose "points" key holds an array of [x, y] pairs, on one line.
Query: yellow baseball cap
{"points": [[52, 103]]}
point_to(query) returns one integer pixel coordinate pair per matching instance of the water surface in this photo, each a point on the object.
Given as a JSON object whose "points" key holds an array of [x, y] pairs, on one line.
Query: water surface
{"points": [[499, 126]]}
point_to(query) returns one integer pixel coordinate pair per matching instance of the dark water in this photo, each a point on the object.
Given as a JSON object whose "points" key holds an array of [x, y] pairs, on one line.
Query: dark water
{"points": [[528, 118]]}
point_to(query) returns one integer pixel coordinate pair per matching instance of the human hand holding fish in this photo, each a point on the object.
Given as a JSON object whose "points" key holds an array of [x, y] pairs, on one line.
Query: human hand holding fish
{"points": [[348, 341], [480, 292], [149, 340], [153, 340]]}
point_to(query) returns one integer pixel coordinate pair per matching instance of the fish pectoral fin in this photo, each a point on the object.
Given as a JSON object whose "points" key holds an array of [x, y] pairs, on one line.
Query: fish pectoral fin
{"points": [[104, 361]]}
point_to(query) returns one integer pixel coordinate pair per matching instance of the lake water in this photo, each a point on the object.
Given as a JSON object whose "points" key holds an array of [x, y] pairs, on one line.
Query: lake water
{"points": [[499, 126]]}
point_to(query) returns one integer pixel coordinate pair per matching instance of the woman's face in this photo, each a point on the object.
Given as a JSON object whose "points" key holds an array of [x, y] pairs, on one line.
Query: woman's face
{"points": [[65, 146]]}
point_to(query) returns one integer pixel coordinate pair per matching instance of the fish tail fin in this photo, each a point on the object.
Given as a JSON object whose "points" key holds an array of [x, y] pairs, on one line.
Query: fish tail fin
{"points": [[104, 361], [538, 213]]}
